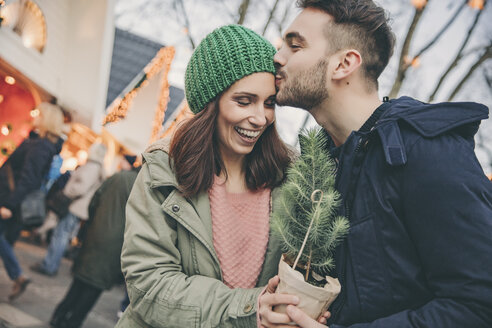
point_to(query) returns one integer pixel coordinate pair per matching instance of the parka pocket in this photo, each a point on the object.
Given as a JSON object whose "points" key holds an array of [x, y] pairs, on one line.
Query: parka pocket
{"points": [[368, 265]]}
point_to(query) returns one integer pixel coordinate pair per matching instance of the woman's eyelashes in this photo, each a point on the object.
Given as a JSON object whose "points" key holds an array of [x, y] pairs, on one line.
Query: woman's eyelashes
{"points": [[243, 102]]}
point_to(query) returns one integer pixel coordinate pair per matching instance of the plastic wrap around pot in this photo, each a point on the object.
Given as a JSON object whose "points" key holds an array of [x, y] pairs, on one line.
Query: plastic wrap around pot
{"points": [[312, 300]]}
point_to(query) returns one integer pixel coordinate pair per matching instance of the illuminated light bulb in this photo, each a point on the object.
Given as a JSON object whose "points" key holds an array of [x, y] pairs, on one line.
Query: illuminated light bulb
{"points": [[27, 41], [5, 130], [419, 4], [9, 80], [476, 4], [1, 99], [82, 156], [70, 164], [416, 62], [34, 112]]}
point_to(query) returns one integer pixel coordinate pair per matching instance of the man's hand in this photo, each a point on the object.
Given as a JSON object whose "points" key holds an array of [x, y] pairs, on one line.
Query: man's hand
{"points": [[303, 320], [5, 213], [269, 318]]}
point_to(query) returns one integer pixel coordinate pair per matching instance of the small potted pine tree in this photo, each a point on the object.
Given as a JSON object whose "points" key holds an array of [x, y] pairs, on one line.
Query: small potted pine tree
{"points": [[306, 222]]}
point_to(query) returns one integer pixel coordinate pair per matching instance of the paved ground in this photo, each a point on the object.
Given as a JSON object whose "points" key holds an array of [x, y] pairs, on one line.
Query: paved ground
{"points": [[35, 306]]}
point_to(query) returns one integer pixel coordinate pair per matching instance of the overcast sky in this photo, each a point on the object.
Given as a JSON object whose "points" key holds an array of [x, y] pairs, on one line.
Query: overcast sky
{"points": [[159, 20]]}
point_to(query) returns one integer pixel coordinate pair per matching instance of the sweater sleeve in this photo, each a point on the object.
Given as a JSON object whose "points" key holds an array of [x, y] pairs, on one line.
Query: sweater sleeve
{"points": [[447, 203], [161, 294]]}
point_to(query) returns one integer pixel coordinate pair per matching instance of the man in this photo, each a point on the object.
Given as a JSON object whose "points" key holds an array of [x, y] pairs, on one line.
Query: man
{"points": [[419, 251]]}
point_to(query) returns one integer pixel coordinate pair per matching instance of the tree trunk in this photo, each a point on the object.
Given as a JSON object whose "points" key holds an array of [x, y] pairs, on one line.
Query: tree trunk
{"points": [[402, 64], [243, 9]]}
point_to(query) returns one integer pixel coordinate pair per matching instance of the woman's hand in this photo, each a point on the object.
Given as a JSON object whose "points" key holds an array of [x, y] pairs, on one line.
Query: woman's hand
{"points": [[268, 318], [5, 213]]}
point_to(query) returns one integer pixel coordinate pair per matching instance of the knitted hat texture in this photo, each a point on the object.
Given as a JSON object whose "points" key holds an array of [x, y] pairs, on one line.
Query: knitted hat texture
{"points": [[225, 56]]}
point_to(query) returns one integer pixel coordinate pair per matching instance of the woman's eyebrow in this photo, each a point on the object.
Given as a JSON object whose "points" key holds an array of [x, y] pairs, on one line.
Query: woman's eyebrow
{"points": [[242, 93]]}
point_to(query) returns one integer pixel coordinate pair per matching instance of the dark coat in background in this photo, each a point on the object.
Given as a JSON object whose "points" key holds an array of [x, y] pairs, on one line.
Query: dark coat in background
{"points": [[98, 262], [419, 250], [30, 163]]}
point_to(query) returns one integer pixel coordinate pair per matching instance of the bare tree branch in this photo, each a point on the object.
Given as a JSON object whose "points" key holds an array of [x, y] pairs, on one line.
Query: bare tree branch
{"points": [[281, 22], [270, 17], [485, 56], [403, 64], [443, 29], [488, 79], [243, 9], [182, 8], [458, 57]]}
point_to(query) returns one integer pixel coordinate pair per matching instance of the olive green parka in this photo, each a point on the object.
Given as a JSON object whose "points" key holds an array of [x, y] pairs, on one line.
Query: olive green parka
{"points": [[171, 269]]}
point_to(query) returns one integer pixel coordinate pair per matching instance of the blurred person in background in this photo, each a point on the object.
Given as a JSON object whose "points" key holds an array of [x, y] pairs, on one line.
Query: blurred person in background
{"points": [[21, 174], [97, 266], [80, 188], [41, 233]]}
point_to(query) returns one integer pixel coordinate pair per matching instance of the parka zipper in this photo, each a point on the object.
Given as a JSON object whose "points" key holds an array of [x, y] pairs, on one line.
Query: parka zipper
{"points": [[342, 296]]}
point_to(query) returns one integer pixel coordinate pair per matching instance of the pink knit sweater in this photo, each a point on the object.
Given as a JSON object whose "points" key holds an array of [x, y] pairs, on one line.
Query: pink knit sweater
{"points": [[240, 225]]}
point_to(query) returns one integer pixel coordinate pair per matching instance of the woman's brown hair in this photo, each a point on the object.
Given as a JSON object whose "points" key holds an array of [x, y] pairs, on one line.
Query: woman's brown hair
{"points": [[195, 156]]}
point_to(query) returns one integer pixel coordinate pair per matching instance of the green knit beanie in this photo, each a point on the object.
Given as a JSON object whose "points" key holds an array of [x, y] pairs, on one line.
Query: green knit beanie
{"points": [[225, 56]]}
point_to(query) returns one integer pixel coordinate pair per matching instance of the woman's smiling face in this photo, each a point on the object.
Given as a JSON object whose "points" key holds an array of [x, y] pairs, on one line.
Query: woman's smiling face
{"points": [[246, 109]]}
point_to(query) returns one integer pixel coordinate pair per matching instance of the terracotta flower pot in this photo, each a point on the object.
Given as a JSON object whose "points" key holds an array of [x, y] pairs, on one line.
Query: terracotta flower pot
{"points": [[313, 300]]}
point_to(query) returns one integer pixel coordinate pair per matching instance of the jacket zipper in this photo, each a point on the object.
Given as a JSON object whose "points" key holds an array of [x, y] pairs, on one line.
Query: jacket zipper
{"points": [[337, 310]]}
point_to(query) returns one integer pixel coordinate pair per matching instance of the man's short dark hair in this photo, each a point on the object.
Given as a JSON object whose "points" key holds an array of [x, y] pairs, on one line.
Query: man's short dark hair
{"points": [[358, 24]]}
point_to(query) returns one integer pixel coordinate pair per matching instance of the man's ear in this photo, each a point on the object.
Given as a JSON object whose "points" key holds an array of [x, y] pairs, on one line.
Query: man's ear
{"points": [[348, 62]]}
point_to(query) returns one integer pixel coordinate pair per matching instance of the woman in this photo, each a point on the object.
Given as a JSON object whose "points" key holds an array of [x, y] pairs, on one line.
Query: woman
{"points": [[196, 251], [23, 173]]}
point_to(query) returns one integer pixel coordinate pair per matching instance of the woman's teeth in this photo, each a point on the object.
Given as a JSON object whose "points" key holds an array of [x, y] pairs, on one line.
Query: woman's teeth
{"points": [[247, 133]]}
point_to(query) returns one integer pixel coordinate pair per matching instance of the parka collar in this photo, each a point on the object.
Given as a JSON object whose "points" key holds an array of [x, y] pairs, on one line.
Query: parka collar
{"points": [[157, 158]]}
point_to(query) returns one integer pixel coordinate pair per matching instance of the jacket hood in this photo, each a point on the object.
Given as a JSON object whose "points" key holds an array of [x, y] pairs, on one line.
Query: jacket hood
{"points": [[157, 159], [429, 120]]}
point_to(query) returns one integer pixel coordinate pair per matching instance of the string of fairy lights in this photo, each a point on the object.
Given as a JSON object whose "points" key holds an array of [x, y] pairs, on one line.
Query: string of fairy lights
{"points": [[120, 107]]}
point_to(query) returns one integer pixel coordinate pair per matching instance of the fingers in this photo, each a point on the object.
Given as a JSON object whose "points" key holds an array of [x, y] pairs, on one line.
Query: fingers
{"points": [[274, 319], [270, 300], [272, 284], [302, 319], [268, 318], [324, 317]]}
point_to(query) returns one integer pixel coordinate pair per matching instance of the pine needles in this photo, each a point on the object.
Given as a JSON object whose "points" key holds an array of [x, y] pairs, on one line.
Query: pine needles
{"points": [[305, 212]]}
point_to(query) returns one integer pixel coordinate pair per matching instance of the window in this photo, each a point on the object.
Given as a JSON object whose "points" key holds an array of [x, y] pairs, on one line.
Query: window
{"points": [[26, 19]]}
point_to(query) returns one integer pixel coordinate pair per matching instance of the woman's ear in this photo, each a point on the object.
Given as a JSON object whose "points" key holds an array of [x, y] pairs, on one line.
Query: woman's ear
{"points": [[348, 62]]}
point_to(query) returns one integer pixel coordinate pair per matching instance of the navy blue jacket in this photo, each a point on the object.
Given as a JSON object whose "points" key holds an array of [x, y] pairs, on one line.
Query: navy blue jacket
{"points": [[30, 163], [419, 251]]}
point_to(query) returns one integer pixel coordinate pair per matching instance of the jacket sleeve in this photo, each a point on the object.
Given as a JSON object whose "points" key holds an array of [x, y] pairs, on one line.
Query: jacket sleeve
{"points": [[31, 176], [82, 180], [447, 202], [161, 294]]}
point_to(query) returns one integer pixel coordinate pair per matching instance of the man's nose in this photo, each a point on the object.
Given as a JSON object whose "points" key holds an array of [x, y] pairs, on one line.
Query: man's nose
{"points": [[279, 58]]}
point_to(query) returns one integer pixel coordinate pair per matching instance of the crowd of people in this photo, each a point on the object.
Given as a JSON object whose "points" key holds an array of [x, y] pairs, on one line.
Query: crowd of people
{"points": [[78, 205], [190, 230]]}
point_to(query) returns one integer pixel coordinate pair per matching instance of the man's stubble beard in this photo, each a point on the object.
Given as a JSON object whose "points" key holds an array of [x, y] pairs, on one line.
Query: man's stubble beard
{"points": [[306, 89]]}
